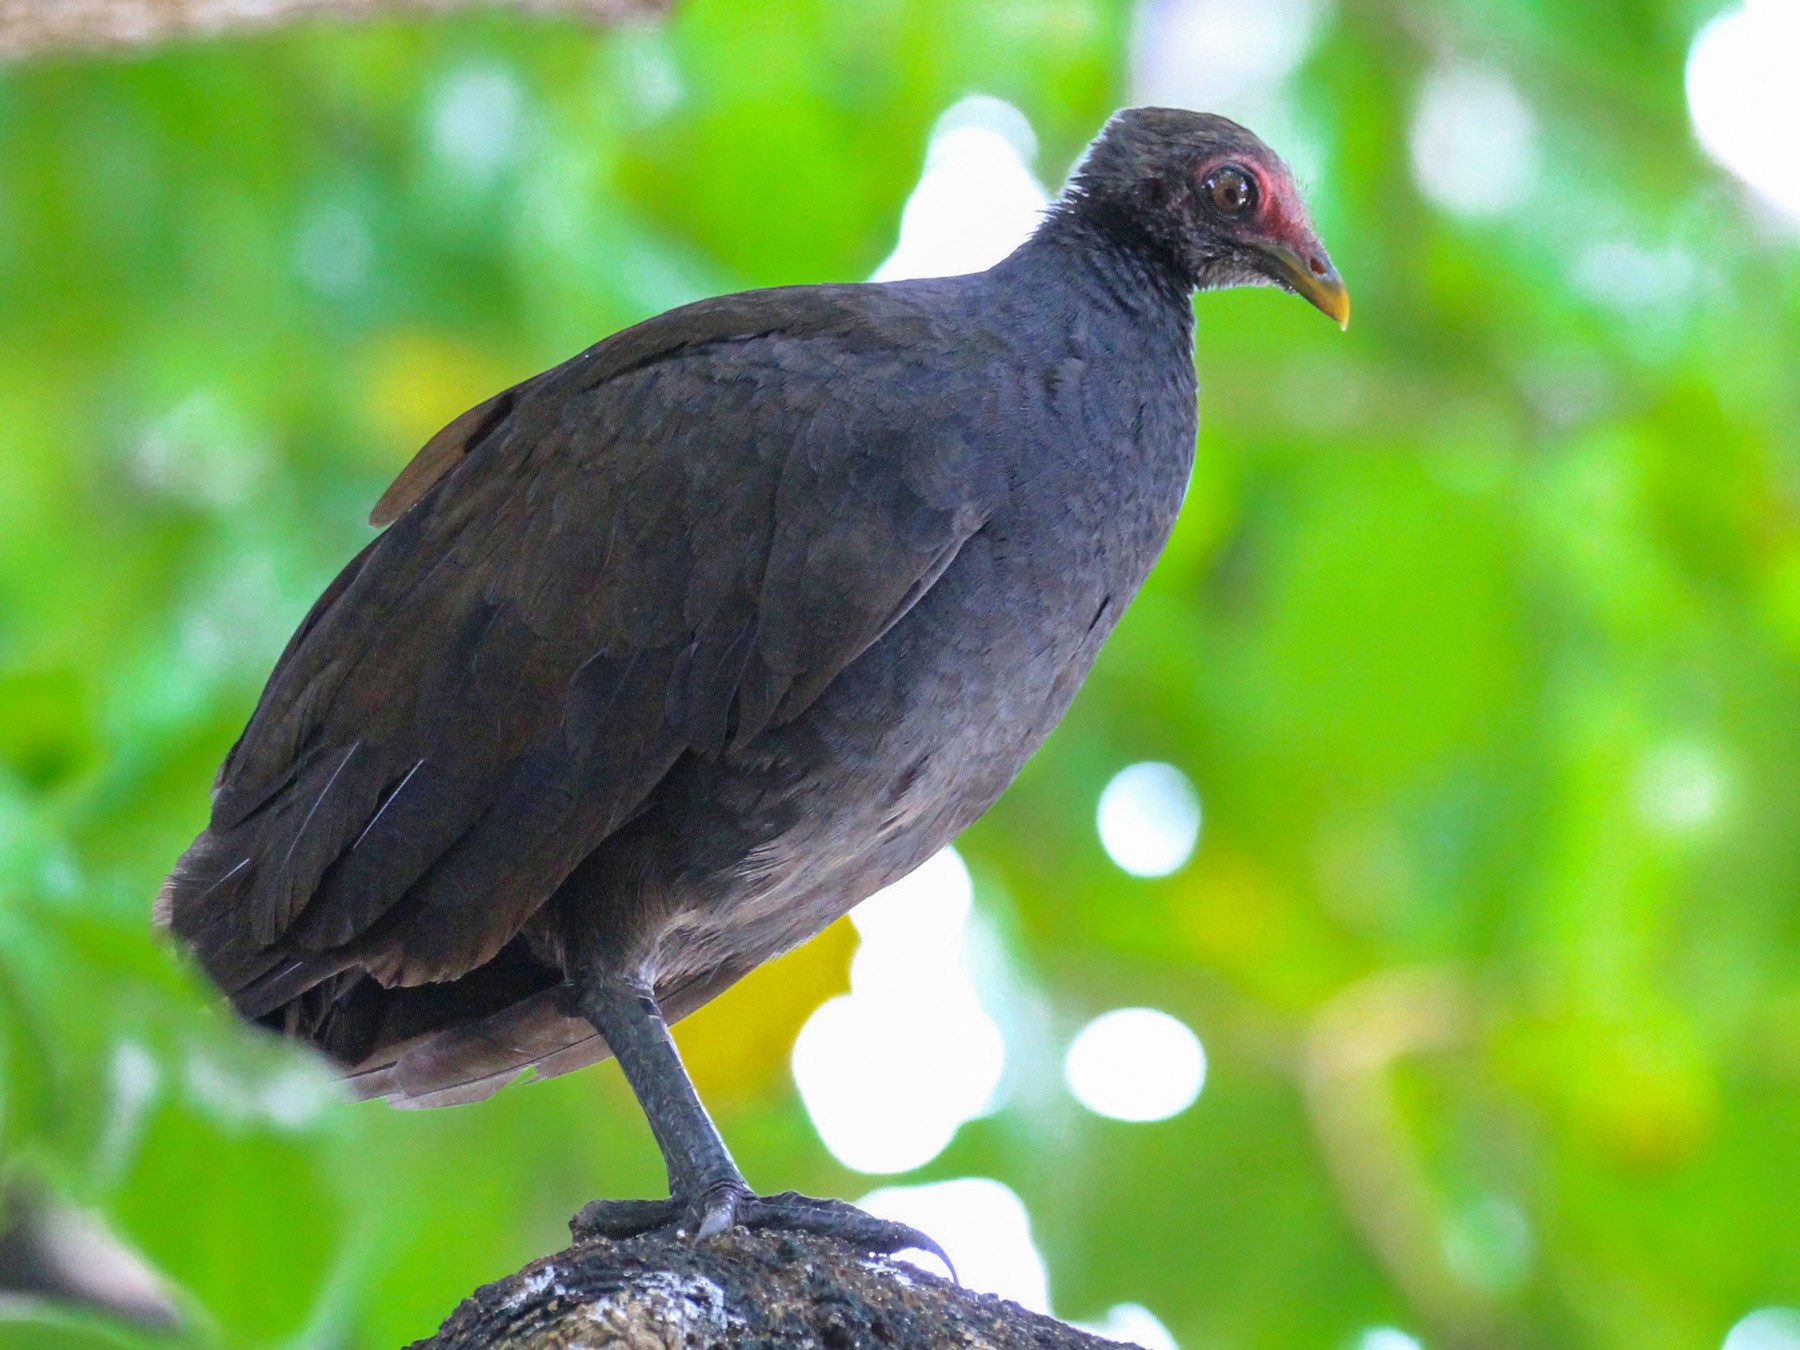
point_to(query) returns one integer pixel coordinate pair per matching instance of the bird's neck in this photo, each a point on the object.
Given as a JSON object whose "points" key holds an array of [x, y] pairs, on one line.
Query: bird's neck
{"points": [[1108, 274]]}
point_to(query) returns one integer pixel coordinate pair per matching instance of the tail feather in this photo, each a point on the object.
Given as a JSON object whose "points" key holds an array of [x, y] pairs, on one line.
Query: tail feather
{"points": [[471, 1062]]}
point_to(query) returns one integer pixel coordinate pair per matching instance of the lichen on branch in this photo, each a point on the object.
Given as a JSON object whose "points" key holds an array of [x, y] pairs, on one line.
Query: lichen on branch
{"points": [[773, 1291]]}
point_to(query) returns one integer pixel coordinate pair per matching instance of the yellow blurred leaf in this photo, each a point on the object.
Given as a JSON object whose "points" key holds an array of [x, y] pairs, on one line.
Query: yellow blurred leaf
{"points": [[737, 1046], [417, 380]]}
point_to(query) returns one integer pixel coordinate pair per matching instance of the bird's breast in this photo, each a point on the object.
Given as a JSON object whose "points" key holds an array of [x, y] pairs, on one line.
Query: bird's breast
{"points": [[925, 730]]}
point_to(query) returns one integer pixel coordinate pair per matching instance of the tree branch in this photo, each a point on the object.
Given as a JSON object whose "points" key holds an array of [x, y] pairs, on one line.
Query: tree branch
{"points": [[37, 27], [773, 1291]]}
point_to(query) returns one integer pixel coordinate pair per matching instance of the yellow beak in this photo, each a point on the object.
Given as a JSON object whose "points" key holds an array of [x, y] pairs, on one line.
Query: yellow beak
{"points": [[1311, 277]]}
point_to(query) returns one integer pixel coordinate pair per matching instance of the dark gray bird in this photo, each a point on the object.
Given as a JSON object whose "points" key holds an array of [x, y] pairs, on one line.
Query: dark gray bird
{"points": [[671, 654]]}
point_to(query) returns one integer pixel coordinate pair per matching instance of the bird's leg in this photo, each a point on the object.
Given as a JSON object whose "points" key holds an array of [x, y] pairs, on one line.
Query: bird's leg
{"points": [[707, 1193], [705, 1186]]}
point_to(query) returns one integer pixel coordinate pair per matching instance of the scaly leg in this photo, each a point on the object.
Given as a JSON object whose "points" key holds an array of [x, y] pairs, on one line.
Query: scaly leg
{"points": [[707, 1193]]}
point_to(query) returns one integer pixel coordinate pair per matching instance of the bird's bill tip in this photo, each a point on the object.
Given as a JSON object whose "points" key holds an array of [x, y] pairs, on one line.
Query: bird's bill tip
{"points": [[1333, 300], [1310, 275]]}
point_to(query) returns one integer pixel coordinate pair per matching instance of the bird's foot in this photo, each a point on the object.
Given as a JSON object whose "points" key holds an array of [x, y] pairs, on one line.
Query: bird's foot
{"points": [[711, 1210], [620, 1219], [795, 1213], [724, 1206]]}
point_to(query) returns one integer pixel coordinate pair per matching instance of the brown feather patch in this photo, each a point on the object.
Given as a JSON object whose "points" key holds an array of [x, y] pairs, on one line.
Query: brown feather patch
{"points": [[442, 453]]}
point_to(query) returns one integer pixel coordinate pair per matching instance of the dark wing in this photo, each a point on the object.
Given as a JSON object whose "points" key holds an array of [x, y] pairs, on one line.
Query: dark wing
{"points": [[665, 546]]}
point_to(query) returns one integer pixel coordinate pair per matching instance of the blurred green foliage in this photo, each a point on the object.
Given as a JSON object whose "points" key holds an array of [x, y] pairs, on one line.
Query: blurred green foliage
{"points": [[1480, 635]]}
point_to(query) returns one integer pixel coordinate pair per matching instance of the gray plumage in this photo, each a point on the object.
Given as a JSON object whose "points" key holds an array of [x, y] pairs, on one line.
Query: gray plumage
{"points": [[696, 640]]}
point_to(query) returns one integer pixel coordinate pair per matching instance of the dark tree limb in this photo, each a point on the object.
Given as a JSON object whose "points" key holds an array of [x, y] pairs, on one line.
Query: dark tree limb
{"points": [[38, 27], [772, 1291]]}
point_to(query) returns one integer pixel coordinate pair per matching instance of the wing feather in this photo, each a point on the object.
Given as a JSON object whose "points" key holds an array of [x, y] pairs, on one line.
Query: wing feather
{"points": [[662, 547]]}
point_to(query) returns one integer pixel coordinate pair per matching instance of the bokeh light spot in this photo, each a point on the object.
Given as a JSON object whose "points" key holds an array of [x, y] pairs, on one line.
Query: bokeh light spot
{"points": [[983, 1226], [1135, 1064], [1744, 100], [1178, 45], [976, 201], [890, 1071], [1474, 141], [1387, 1338], [1766, 1329], [205, 450], [1149, 819], [1679, 788], [1134, 1324], [1630, 277], [476, 121]]}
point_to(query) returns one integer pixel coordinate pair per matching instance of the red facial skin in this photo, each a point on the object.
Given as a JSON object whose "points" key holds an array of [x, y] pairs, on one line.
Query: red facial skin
{"points": [[1277, 228], [1279, 216]]}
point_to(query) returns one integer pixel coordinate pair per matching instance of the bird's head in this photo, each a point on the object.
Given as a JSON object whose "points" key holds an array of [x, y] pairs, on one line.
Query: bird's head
{"points": [[1207, 196]]}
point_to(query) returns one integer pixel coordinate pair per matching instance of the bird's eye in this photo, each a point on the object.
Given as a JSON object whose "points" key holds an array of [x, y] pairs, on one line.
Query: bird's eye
{"points": [[1230, 189]]}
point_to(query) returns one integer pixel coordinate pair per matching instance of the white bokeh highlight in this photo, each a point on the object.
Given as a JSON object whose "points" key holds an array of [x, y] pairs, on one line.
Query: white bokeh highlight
{"points": [[1744, 100], [1679, 788], [135, 1083], [1135, 1064], [205, 450], [977, 199], [1630, 277], [476, 121], [982, 1226], [1221, 55], [1133, 1324], [1149, 819], [890, 1071], [1387, 1338], [1474, 141], [289, 1094], [1766, 1329]]}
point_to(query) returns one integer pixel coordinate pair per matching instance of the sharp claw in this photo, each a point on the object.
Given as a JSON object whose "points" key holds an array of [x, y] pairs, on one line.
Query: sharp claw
{"points": [[920, 1242], [888, 1237], [723, 1205], [835, 1218], [718, 1219]]}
